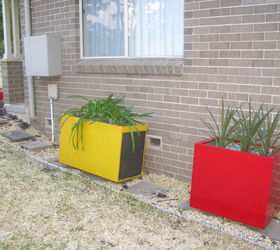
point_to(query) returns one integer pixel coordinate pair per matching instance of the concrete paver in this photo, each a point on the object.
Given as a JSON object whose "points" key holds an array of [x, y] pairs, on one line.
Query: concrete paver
{"points": [[35, 145], [146, 188], [18, 135]]}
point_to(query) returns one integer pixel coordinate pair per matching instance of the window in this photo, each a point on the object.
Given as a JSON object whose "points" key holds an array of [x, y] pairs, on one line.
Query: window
{"points": [[132, 28]]}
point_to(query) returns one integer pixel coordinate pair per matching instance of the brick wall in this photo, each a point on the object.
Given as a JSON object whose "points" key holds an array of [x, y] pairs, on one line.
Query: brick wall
{"points": [[232, 50], [13, 83]]}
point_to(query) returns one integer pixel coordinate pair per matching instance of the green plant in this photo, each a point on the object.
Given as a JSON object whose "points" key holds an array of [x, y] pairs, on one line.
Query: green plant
{"points": [[106, 110], [254, 130], [269, 136], [248, 126], [224, 130]]}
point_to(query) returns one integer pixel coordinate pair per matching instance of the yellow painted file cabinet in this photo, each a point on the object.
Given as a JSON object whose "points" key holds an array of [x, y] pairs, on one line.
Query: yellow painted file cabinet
{"points": [[105, 150]]}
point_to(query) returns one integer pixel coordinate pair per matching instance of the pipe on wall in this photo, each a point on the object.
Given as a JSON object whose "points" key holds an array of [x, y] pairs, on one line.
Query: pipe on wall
{"points": [[30, 82], [52, 120]]}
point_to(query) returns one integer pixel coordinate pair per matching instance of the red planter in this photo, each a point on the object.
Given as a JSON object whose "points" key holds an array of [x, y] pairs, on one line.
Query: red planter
{"points": [[236, 185]]}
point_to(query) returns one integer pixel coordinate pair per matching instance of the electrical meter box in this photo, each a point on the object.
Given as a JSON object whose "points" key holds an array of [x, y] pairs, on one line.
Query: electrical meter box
{"points": [[43, 55]]}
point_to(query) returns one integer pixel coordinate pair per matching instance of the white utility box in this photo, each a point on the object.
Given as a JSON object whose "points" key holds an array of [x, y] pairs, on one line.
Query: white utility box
{"points": [[52, 91], [42, 55]]}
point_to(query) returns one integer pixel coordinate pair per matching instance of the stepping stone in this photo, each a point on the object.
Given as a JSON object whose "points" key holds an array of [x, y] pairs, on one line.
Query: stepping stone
{"points": [[273, 230], [3, 120], [35, 145], [146, 188], [18, 135]]}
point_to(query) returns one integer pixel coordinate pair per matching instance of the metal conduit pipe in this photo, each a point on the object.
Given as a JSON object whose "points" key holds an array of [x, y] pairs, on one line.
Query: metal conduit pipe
{"points": [[30, 82], [52, 120]]}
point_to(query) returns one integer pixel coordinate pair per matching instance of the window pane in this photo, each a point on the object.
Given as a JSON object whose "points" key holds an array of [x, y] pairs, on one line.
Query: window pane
{"points": [[103, 27], [156, 27]]}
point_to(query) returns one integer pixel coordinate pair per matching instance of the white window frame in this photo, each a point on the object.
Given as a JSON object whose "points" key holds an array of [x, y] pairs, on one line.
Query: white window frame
{"points": [[125, 39]]}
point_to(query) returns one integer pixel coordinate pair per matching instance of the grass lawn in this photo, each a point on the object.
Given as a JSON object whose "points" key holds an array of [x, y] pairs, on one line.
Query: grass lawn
{"points": [[48, 209]]}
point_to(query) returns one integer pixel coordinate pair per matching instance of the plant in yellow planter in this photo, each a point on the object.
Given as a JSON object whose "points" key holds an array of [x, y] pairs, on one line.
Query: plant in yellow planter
{"points": [[103, 138]]}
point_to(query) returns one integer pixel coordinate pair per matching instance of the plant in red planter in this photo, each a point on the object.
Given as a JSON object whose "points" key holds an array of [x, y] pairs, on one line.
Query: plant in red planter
{"points": [[236, 174]]}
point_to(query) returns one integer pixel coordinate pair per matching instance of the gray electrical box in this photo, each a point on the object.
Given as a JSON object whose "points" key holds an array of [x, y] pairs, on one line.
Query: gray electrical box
{"points": [[43, 55]]}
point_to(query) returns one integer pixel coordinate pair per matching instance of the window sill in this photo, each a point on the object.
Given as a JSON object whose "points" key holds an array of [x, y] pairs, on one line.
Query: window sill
{"points": [[147, 66]]}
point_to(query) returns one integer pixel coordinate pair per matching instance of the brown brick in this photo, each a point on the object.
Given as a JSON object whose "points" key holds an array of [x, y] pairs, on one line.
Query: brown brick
{"points": [[207, 86], [264, 45], [270, 90], [249, 88], [209, 4], [240, 62], [230, 37], [197, 93], [265, 27], [208, 54], [189, 31], [227, 87], [189, 100], [200, 46], [266, 8], [242, 28], [220, 46], [261, 80], [262, 63], [201, 13], [251, 54], [215, 94], [188, 14], [273, 17], [241, 45], [271, 72], [272, 36], [179, 92], [220, 29], [238, 96], [261, 98], [220, 21], [188, 46], [253, 18], [241, 10], [171, 98], [201, 30], [230, 54], [252, 36], [228, 71], [220, 12], [250, 72], [225, 3], [218, 62], [192, 6], [209, 38]]}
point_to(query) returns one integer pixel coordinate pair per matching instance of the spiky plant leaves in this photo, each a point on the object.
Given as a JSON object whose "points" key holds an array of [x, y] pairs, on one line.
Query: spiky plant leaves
{"points": [[106, 110], [269, 135], [249, 124], [224, 130], [256, 130]]}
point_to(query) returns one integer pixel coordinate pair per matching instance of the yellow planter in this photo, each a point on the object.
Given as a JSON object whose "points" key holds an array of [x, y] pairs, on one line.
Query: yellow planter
{"points": [[105, 150]]}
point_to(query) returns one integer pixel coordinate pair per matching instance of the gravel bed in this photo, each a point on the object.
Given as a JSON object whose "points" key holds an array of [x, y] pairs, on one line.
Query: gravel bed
{"points": [[177, 193]]}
